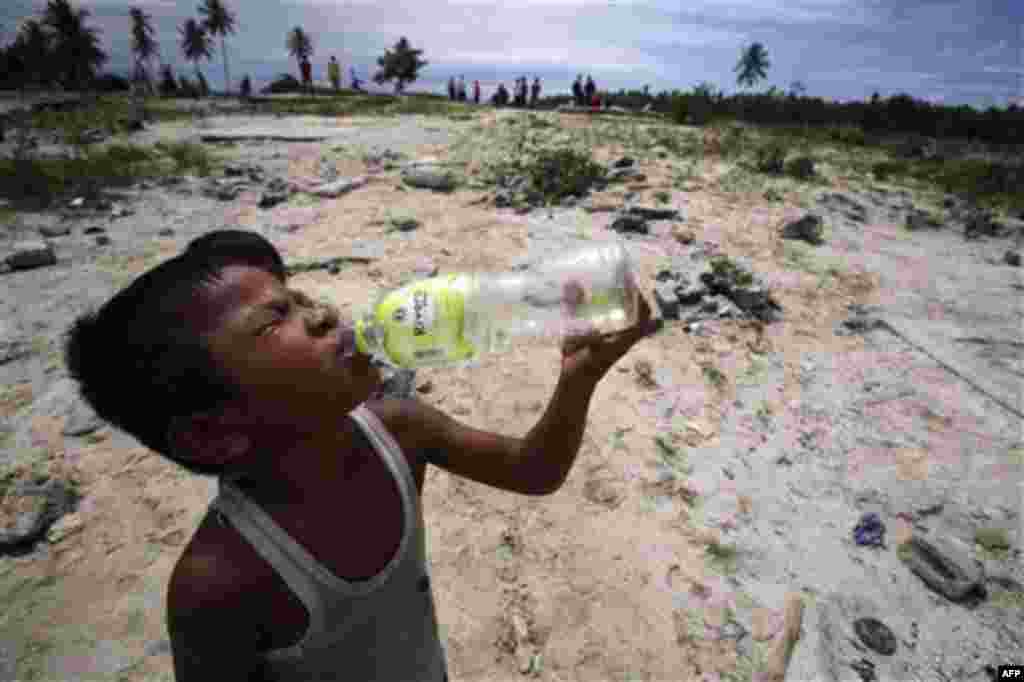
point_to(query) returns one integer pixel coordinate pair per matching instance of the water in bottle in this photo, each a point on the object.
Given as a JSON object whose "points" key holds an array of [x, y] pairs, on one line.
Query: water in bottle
{"points": [[454, 319]]}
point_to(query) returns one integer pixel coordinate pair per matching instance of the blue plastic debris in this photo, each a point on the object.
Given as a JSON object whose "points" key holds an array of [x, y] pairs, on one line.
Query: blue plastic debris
{"points": [[869, 530]]}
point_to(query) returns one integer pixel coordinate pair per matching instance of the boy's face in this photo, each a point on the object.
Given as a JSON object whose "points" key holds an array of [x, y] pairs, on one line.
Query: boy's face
{"points": [[287, 358]]}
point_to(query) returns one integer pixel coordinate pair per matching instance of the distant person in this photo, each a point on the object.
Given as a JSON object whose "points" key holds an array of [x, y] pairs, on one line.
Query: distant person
{"points": [[334, 73], [476, 92], [451, 89], [535, 92], [522, 92], [462, 88], [356, 85], [307, 75], [577, 91], [588, 90], [500, 97]]}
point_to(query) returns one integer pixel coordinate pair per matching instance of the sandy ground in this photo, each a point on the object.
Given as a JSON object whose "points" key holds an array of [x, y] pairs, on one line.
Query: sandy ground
{"points": [[611, 577]]}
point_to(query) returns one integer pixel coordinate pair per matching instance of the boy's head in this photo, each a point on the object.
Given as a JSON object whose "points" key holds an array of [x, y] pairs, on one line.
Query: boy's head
{"points": [[210, 360]]}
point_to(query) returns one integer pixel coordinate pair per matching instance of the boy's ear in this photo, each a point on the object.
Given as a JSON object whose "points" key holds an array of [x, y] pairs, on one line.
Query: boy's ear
{"points": [[207, 438]]}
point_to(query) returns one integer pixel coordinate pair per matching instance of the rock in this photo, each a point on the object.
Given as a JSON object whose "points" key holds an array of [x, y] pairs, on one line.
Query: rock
{"points": [[327, 171], [28, 510], [272, 198], [810, 229], [118, 211], [647, 213], [244, 170], [668, 302], [981, 223], [623, 174], [337, 188], [82, 420], [429, 177], [223, 190], [78, 202], [624, 162], [842, 203], [920, 220], [54, 230], [1012, 258], [31, 254], [629, 223], [95, 229], [404, 223], [102, 240], [12, 345], [426, 387], [94, 136], [386, 158], [944, 567], [165, 232]]}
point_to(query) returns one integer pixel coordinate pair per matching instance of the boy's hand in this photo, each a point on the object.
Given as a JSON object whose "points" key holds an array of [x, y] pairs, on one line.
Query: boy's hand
{"points": [[591, 355]]}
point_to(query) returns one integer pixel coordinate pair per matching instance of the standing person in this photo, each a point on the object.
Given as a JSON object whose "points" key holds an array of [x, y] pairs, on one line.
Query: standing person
{"points": [[303, 448], [577, 90], [535, 92], [462, 88], [451, 89], [588, 90], [334, 73], [307, 75], [355, 79], [476, 92]]}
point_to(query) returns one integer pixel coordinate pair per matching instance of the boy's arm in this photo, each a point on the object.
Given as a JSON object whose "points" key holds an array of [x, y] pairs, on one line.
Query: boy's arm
{"points": [[535, 465]]}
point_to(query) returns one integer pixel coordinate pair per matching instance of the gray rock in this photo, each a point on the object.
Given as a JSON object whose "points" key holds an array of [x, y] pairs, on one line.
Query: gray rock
{"points": [[337, 188], [160, 647], [82, 420], [810, 229], [165, 232], [668, 302], [920, 220], [1012, 258], [272, 198], [647, 213], [945, 566], [629, 223], [844, 204], [102, 240], [327, 171], [12, 345], [244, 170], [223, 190], [118, 211], [622, 174], [54, 230], [36, 506], [623, 162], [840, 648], [981, 223], [95, 229], [31, 254], [429, 177], [94, 136]]}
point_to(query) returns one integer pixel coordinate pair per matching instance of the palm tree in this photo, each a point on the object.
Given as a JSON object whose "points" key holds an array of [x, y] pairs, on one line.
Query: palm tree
{"points": [[33, 49], [753, 65], [143, 43], [76, 46], [195, 43], [299, 45], [219, 22]]}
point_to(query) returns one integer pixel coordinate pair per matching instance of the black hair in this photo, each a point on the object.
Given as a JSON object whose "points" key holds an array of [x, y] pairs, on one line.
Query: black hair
{"points": [[136, 360]]}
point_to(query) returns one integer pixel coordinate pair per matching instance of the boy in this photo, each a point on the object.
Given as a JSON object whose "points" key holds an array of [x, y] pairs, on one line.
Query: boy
{"points": [[334, 73], [310, 563]]}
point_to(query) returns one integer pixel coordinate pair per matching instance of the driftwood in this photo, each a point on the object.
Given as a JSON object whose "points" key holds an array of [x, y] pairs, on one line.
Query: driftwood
{"points": [[782, 647]]}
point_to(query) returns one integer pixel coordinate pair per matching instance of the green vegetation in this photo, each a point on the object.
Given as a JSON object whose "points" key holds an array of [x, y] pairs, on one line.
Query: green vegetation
{"points": [[672, 455], [401, 65], [714, 375], [724, 268]]}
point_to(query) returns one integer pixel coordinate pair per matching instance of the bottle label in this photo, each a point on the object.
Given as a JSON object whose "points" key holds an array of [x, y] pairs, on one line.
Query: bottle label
{"points": [[423, 322]]}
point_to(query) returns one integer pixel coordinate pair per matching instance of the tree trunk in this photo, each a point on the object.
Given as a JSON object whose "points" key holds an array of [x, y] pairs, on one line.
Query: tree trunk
{"points": [[227, 73]]}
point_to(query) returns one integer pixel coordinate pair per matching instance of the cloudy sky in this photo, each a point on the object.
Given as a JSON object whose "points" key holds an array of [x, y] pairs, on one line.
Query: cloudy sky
{"points": [[950, 51]]}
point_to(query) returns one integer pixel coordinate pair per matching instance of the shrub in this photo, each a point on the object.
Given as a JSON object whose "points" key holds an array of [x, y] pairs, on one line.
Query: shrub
{"points": [[560, 173], [883, 169], [187, 155], [801, 168], [850, 135], [282, 84], [771, 159]]}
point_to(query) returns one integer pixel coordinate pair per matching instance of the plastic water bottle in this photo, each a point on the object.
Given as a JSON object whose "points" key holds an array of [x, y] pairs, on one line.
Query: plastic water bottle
{"points": [[454, 319]]}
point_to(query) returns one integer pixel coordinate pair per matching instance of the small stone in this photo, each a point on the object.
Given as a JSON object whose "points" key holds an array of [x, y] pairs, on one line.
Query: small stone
{"points": [[426, 387], [94, 230], [31, 254], [78, 202], [1012, 258], [810, 229], [665, 297], [629, 223], [165, 232], [102, 240], [920, 220], [54, 230], [624, 162], [429, 177], [339, 187], [120, 212]]}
